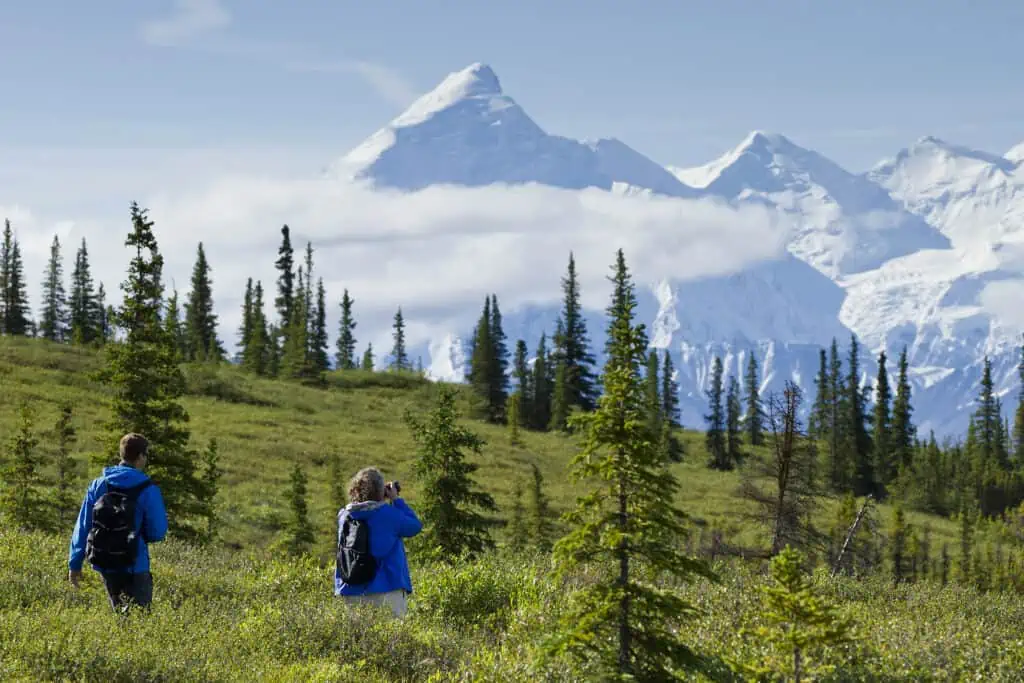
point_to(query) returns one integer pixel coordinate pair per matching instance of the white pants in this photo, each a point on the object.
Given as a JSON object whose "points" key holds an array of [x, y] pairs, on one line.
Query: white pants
{"points": [[394, 599]]}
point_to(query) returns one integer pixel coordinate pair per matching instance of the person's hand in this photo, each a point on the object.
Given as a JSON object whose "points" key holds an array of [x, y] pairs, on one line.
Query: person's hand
{"points": [[74, 577], [389, 492]]}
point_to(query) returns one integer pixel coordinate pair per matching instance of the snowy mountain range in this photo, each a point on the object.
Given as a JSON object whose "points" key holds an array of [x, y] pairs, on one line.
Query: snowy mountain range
{"points": [[926, 250]]}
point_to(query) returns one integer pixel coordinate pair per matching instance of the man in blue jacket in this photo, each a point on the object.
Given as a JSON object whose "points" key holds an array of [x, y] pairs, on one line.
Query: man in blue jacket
{"points": [[388, 524], [123, 511]]}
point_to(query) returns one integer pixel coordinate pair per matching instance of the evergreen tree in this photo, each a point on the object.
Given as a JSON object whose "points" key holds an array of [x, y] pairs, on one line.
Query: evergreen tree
{"points": [[300, 536], [105, 317], [54, 323], [901, 432], [367, 362], [818, 424], [732, 421], [840, 469], [399, 356], [524, 383], [718, 456], [540, 406], [802, 627], [652, 395], [175, 330], [318, 341], [256, 354], [481, 357], [295, 361], [13, 297], [211, 485], [307, 293], [669, 392], [451, 499], [884, 467], [346, 358], [857, 440], [200, 320], [898, 536], [1018, 417], [754, 418], [65, 499], [988, 422], [84, 308], [147, 383], [512, 414], [21, 498], [541, 526], [285, 266], [245, 329], [499, 363], [559, 420], [572, 345], [626, 528]]}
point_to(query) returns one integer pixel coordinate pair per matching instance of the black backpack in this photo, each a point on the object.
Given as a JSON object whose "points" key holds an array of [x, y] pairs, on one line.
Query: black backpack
{"points": [[113, 541], [356, 566]]}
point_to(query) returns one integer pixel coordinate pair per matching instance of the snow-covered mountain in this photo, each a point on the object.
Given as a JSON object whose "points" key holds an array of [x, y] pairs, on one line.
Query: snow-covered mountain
{"points": [[926, 250]]}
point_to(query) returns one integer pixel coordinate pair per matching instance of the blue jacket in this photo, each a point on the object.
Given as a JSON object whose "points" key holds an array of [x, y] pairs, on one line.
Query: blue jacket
{"points": [[389, 524], [150, 516]]}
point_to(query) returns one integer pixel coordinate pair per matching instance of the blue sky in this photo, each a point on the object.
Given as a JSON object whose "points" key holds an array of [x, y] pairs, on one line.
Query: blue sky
{"points": [[680, 81]]}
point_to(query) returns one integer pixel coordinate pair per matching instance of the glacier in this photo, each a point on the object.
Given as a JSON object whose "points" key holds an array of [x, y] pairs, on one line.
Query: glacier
{"points": [[923, 251]]}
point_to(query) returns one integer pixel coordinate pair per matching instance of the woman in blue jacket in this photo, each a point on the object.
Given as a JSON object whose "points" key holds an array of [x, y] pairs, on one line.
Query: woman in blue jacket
{"points": [[389, 520]]}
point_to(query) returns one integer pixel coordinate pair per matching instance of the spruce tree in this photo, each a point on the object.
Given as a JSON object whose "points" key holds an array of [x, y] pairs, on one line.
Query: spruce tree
{"points": [[285, 266], [65, 496], [104, 317], [256, 357], [13, 297], [626, 528], [295, 361], [200, 319], [881, 424], [572, 344], [652, 394], [346, 357], [524, 383], [499, 364], [1018, 417], [733, 422], [542, 528], [669, 391], [21, 497], [84, 307], [818, 424], [902, 433], [714, 439], [318, 341], [754, 418], [245, 329], [399, 356], [308, 294], [147, 383], [840, 466], [541, 384], [451, 503], [367, 362], [858, 441], [481, 357], [175, 330], [54, 322], [300, 536]]}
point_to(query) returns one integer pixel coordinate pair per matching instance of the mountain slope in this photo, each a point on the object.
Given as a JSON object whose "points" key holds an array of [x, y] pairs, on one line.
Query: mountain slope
{"points": [[468, 132], [847, 224]]}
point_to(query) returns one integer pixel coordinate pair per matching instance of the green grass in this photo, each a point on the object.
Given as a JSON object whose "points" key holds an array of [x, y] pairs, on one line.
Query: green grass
{"points": [[235, 611]]}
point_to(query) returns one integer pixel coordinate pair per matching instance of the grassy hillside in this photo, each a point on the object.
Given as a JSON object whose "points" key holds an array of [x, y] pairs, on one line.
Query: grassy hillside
{"points": [[264, 426], [234, 612]]}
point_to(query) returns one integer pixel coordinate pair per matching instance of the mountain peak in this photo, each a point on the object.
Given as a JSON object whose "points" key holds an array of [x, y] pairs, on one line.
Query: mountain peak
{"points": [[759, 139], [476, 82], [1016, 154]]}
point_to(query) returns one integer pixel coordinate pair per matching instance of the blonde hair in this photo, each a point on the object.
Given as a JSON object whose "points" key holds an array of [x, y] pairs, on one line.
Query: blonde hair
{"points": [[366, 485]]}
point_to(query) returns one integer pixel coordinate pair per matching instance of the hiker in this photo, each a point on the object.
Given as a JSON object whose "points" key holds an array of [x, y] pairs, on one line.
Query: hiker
{"points": [[371, 564], [123, 511]]}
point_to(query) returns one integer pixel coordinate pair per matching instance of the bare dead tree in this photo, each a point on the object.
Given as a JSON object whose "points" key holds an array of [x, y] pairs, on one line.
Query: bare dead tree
{"points": [[783, 486]]}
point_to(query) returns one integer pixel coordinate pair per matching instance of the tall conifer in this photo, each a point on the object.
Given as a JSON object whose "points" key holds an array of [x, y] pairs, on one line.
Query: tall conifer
{"points": [[346, 357], [54, 322], [200, 319], [754, 418], [714, 438], [399, 355]]}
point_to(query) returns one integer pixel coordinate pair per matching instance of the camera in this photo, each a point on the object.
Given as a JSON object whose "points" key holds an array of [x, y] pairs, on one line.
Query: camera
{"points": [[394, 485]]}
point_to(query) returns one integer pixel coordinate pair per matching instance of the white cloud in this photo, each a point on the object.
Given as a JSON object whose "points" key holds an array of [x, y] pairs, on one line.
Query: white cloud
{"points": [[436, 252], [190, 19]]}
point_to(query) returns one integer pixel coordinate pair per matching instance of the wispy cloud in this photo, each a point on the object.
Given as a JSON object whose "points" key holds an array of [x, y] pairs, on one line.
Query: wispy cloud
{"points": [[387, 82], [190, 19]]}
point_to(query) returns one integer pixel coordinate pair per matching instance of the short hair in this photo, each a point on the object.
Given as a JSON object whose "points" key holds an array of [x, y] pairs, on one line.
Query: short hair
{"points": [[366, 485], [133, 446]]}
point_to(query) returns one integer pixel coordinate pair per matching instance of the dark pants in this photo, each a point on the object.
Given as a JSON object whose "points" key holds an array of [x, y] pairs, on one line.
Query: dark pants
{"points": [[125, 589]]}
